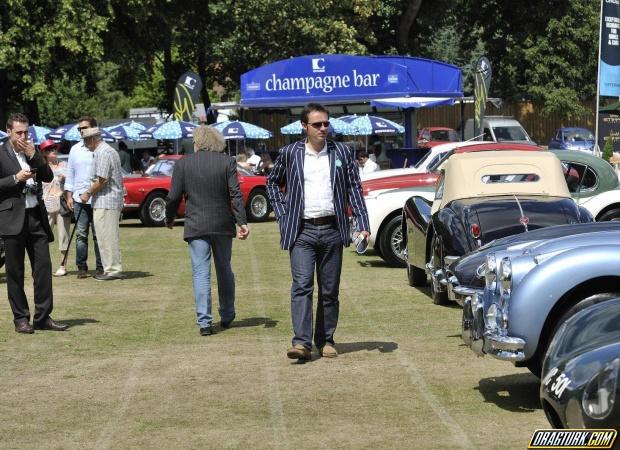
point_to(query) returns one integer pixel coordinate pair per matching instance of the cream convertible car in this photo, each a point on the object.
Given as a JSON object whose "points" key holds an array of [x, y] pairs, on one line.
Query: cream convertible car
{"points": [[481, 197]]}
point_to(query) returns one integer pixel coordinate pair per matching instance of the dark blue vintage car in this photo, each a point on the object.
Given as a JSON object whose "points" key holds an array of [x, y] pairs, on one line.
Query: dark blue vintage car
{"points": [[479, 198], [572, 138], [580, 386]]}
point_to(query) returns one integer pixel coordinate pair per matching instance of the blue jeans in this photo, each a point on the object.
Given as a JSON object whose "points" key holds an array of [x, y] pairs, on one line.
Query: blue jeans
{"points": [[318, 247], [81, 240], [200, 250]]}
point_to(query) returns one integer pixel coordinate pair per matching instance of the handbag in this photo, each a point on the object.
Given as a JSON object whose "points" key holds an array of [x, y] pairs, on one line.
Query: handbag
{"points": [[52, 202], [64, 208]]}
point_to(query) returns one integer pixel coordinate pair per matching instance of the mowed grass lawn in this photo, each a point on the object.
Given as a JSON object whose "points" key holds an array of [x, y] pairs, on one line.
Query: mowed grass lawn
{"points": [[133, 372]]}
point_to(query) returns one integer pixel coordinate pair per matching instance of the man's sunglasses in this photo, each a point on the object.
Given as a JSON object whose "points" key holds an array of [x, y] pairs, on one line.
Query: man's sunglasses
{"points": [[83, 128], [318, 125]]}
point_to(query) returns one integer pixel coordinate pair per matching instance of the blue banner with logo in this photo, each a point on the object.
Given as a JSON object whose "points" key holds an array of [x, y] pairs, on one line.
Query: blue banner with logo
{"points": [[610, 49], [346, 78]]}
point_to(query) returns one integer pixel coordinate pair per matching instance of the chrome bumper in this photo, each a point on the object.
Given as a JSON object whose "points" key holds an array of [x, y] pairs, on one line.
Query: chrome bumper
{"points": [[458, 293], [485, 341]]}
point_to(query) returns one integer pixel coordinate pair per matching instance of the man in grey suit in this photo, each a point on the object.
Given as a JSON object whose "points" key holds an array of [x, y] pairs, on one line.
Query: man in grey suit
{"points": [[208, 181]]}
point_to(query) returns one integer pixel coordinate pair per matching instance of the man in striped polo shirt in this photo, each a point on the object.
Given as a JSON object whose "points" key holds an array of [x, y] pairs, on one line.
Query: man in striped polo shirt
{"points": [[106, 191]]}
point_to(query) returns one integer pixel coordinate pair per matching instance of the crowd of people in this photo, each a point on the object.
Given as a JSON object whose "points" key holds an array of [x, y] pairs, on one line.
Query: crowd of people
{"points": [[321, 179]]}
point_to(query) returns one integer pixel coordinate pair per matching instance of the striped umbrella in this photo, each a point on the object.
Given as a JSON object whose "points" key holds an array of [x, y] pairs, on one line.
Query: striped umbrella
{"points": [[175, 129], [366, 125], [235, 129], [137, 125], [124, 132], [335, 125], [38, 133], [70, 132]]}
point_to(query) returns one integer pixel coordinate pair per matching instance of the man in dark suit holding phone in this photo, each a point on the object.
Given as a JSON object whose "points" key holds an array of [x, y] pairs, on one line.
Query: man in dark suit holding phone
{"points": [[24, 227], [320, 180]]}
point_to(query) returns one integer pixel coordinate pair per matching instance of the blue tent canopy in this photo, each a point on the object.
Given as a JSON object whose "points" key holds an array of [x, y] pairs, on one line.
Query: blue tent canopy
{"points": [[331, 79]]}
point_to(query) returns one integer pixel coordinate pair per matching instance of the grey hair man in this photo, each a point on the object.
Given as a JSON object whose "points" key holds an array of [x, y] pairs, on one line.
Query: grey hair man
{"points": [[106, 195], [208, 181]]}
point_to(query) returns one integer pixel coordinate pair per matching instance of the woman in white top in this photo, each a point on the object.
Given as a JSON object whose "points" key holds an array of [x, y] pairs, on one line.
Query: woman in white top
{"points": [[52, 192]]}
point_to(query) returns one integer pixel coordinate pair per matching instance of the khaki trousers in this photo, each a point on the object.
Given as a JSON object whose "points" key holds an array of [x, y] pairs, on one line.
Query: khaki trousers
{"points": [[63, 226], [107, 230]]}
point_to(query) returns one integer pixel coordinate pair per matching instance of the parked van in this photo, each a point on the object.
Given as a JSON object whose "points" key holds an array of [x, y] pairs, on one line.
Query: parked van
{"points": [[498, 129]]}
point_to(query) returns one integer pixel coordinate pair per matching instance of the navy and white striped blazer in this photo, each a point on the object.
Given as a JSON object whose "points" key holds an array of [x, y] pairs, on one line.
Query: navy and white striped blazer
{"points": [[288, 206]]}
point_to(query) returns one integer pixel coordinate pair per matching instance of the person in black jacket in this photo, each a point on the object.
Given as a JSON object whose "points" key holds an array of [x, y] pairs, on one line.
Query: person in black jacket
{"points": [[208, 181], [24, 226]]}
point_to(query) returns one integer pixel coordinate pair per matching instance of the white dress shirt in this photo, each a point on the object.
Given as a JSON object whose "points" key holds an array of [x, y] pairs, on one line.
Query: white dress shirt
{"points": [[31, 199], [79, 170], [369, 167], [318, 194]]}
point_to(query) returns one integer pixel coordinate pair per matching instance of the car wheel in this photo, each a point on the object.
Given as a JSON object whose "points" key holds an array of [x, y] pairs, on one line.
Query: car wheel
{"points": [[416, 276], [153, 212], [535, 363], [258, 205], [612, 214], [391, 243], [439, 297]]}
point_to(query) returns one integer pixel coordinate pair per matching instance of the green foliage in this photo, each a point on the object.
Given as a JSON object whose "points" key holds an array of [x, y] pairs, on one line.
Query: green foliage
{"points": [[540, 50], [608, 149], [67, 57], [66, 100], [568, 47]]}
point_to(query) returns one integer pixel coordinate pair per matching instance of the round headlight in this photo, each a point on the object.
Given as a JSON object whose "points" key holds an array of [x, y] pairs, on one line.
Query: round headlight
{"points": [[489, 275], [600, 393]]}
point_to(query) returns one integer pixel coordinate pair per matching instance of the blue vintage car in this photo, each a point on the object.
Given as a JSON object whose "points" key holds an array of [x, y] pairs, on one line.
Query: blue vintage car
{"points": [[572, 138], [580, 386], [533, 284]]}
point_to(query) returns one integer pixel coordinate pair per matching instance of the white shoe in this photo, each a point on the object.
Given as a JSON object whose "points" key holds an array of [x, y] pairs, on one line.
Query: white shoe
{"points": [[61, 272]]}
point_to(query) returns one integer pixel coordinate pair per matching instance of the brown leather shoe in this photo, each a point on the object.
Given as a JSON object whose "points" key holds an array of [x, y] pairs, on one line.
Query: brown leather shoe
{"points": [[298, 351], [24, 327], [328, 351], [51, 325]]}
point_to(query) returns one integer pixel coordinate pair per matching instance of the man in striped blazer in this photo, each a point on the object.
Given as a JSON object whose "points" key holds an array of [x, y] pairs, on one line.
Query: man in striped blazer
{"points": [[312, 183]]}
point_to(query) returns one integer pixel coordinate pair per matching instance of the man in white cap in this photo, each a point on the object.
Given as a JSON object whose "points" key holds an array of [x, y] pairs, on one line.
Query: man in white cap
{"points": [[106, 195]]}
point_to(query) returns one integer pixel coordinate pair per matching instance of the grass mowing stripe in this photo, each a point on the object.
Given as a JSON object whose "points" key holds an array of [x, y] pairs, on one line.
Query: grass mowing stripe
{"points": [[272, 380], [106, 436], [460, 437]]}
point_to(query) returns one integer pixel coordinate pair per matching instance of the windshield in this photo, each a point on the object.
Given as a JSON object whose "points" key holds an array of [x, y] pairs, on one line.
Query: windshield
{"points": [[509, 134], [444, 135], [421, 161], [578, 135], [432, 167], [163, 167]]}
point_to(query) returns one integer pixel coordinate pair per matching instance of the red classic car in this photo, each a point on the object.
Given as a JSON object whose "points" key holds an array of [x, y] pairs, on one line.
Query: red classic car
{"points": [[432, 136], [145, 195]]}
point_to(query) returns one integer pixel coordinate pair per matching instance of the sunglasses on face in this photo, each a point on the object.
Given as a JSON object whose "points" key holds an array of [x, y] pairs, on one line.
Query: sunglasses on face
{"points": [[83, 128], [318, 125]]}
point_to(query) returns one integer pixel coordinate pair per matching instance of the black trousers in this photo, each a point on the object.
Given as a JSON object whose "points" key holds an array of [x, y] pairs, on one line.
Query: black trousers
{"points": [[32, 239]]}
